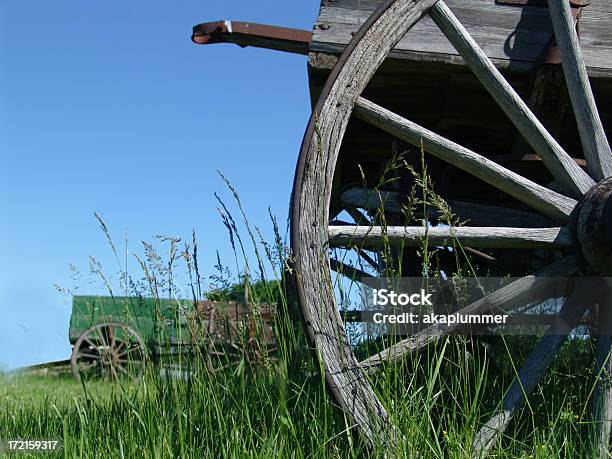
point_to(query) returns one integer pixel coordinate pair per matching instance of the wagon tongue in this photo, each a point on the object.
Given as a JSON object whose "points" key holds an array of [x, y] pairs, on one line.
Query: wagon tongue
{"points": [[251, 34]]}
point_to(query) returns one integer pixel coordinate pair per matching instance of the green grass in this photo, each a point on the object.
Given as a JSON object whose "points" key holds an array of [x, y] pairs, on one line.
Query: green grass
{"points": [[438, 400], [284, 411]]}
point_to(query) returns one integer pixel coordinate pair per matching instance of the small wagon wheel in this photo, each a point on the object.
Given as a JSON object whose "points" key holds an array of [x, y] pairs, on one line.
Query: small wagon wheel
{"points": [[108, 350], [583, 211]]}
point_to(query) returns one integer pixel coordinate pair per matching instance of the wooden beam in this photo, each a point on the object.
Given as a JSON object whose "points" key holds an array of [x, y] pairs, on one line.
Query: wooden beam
{"points": [[475, 213], [349, 271], [536, 196], [528, 289], [560, 164], [357, 216], [594, 142], [487, 237]]}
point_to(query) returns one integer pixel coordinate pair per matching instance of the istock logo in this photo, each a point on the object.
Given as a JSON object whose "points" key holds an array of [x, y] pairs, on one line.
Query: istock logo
{"points": [[384, 297]]}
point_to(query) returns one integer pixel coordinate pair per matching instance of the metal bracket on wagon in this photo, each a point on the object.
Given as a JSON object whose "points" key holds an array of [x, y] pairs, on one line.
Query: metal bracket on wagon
{"points": [[251, 34]]}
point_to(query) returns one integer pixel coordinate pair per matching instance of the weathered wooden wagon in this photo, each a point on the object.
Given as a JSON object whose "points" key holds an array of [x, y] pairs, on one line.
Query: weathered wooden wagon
{"points": [[116, 336], [511, 102]]}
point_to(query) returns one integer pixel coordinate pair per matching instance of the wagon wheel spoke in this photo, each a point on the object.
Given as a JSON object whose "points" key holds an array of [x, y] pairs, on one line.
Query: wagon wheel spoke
{"points": [[347, 270], [525, 290], [129, 350], [87, 367], [89, 356], [99, 334], [594, 142], [365, 257], [487, 237], [534, 368], [548, 202], [120, 347], [475, 213], [357, 216], [563, 168], [91, 343]]}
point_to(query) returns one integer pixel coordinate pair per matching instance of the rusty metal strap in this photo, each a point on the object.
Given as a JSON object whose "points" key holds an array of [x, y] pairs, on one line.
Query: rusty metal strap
{"points": [[251, 34]]}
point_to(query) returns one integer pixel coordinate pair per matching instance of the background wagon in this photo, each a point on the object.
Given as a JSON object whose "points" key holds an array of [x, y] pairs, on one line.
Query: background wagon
{"points": [[117, 336]]}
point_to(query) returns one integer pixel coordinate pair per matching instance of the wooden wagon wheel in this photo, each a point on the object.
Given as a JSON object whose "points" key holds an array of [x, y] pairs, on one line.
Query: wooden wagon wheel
{"points": [[108, 350], [583, 210]]}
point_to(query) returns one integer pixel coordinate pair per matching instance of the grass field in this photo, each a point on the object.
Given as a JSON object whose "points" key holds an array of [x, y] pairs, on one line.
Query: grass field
{"points": [[283, 410]]}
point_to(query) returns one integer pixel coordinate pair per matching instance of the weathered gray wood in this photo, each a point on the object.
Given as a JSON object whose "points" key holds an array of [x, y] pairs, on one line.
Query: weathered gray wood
{"points": [[593, 232], [512, 36], [369, 199], [425, 37], [473, 213], [310, 214], [536, 196], [520, 292], [602, 397], [487, 237], [357, 216], [560, 164], [349, 271], [532, 370], [594, 142]]}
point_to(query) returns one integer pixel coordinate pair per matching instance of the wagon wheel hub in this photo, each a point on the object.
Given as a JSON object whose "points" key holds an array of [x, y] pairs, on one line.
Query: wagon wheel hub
{"points": [[107, 357], [593, 228]]}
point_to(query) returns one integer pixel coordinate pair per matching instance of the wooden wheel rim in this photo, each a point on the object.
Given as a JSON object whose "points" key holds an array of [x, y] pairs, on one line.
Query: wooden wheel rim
{"points": [[310, 210], [115, 353]]}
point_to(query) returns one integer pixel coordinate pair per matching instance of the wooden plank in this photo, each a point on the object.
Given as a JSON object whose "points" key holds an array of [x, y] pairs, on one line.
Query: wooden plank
{"points": [[594, 142], [567, 172], [596, 38], [514, 37], [532, 371], [536, 196], [487, 237], [520, 292], [474, 213], [426, 37]]}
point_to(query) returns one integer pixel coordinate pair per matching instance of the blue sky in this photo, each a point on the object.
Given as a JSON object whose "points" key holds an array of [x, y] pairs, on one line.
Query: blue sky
{"points": [[109, 107]]}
